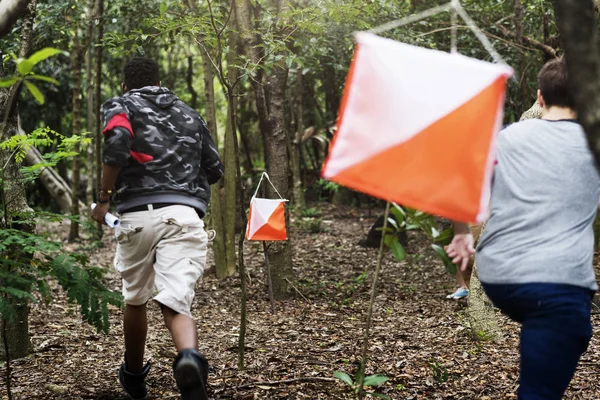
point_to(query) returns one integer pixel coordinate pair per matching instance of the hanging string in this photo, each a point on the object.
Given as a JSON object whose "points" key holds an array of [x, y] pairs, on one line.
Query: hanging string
{"points": [[456, 8], [411, 18], [453, 24], [479, 34], [265, 175]]}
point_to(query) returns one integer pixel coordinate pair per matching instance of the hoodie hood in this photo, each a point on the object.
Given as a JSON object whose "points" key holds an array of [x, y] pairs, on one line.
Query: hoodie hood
{"points": [[162, 97]]}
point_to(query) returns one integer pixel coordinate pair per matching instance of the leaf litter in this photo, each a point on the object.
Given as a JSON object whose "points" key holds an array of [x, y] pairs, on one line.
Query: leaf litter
{"points": [[420, 340]]}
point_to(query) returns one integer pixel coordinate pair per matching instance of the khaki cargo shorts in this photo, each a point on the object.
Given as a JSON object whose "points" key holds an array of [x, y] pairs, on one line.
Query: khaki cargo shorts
{"points": [[162, 251]]}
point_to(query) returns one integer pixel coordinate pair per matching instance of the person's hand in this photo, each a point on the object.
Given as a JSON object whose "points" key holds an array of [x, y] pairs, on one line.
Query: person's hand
{"points": [[100, 211], [460, 249]]}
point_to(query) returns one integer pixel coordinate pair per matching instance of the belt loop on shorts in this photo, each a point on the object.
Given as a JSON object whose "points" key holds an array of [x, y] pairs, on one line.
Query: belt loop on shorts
{"points": [[150, 208]]}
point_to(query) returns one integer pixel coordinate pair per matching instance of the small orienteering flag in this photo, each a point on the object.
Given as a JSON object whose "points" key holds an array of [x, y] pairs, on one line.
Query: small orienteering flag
{"points": [[266, 220], [417, 127]]}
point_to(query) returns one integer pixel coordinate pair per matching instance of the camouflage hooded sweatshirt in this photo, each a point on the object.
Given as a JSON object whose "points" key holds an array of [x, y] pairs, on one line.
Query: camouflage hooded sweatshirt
{"points": [[163, 147]]}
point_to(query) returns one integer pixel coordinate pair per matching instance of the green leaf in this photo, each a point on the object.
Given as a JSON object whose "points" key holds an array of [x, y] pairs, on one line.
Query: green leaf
{"points": [[163, 9], [392, 222], [43, 78], [39, 97], [343, 377], [379, 396], [6, 82], [399, 215], [24, 67], [375, 380], [445, 237], [43, 54], [441, 253], [398, 249]]}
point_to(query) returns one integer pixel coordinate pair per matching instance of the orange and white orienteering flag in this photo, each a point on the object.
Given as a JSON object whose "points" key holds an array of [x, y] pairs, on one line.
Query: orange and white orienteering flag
{"points": [[417, 127], [266, 220]]}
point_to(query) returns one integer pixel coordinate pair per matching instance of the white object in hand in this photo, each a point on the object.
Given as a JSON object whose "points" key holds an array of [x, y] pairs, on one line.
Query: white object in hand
{"points": [[110, 219]]}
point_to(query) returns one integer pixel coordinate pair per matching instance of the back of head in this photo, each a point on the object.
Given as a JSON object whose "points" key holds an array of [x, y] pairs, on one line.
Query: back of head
{"points": [[140, 72], [554, 86]]}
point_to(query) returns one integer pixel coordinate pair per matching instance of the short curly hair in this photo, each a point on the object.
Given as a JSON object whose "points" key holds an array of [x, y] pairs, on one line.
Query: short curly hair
{"points": [[140, 72]]}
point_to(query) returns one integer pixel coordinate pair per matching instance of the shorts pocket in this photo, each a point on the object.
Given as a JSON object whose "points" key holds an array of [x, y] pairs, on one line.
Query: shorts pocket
{"points": [[124, 234]]}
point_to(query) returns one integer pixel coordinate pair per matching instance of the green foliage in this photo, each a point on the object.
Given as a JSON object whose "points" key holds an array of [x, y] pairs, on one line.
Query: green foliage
{"points": [[369, 381], [19, 145], [405, 219], [25, 74], [440, 372], [311, 212], [29, 261]]}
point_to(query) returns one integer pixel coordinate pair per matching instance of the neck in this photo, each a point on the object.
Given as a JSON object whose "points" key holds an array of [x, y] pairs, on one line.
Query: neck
{"points": [[554, 113]]}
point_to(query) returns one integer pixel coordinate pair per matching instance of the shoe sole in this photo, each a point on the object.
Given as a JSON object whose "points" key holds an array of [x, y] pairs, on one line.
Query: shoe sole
{"points": [[189, 380]]}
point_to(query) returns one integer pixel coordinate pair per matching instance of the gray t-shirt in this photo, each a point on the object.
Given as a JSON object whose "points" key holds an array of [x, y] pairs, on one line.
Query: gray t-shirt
{"points": [[544, 199]]}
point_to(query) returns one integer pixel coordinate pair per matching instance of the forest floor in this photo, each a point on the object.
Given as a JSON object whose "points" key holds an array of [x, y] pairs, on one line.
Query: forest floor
{"points": [[420, 340]]}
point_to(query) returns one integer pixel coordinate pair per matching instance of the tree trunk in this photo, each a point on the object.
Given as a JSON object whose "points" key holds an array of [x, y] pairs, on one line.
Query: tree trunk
{"points": [[576, 22], [223, 245], [280, 253], [297, 146], [518, 21], [77, 53], [481, 312], [99, 13], [91, 172], [270, 108], [534, 112], [17, 332], [10, 11], [229, 162], [190, 75]]}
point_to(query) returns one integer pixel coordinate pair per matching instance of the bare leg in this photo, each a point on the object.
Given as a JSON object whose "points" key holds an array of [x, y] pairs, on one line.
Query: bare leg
{"points": [[135, 328], [182, 328]]}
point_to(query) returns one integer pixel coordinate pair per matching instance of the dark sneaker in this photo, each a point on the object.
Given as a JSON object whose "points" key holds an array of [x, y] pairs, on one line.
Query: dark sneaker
{"points": [[191, 374], [133, 384]]}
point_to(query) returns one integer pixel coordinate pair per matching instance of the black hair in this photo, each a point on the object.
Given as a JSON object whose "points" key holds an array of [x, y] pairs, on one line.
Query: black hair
{"points": [[140, 72]]}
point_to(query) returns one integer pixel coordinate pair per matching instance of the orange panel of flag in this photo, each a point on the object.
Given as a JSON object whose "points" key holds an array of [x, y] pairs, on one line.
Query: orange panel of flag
{"points": [[417, 127], [266, 220]]}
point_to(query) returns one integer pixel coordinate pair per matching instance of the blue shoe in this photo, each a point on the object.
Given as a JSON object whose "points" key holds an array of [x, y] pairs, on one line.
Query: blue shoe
{"points": [[459, 294], [134, 384]]}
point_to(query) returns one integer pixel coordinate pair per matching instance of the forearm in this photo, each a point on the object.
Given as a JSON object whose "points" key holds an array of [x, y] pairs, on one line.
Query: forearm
{"points": [[109, 178], [460, 228]]}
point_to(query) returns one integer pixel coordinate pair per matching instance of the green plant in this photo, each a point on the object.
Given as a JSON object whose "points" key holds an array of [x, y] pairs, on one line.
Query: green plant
{"points": [[440, 372], [328, 186], [405, 219], [311, 212], [369, 381], [29, 261], [311, 225], [25, 73]]}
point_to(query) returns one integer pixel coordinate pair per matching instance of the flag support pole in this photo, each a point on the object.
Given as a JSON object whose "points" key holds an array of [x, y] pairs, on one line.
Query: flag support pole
{"points": [[266, 249], [269, 280], [363, 361]]}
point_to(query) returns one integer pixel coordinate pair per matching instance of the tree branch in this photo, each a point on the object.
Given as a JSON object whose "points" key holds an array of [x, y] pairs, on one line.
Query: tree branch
{"points": [[10, 11], [532, 42]]}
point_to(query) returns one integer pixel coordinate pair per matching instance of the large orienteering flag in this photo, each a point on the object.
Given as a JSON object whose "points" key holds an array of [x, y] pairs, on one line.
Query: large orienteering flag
{"points": [[417, 127]]}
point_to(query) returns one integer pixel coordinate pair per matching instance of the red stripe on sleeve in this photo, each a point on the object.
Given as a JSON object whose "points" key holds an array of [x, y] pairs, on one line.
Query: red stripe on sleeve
{"points": [[141, 157], [118, 121]]}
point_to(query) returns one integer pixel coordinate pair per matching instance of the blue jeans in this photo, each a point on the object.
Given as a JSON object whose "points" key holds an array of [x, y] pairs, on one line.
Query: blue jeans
{"points": [[556, 329]]}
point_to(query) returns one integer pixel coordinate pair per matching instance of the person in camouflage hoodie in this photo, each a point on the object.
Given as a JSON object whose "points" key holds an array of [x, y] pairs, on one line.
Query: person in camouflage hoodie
{"points": [[158, 162]]}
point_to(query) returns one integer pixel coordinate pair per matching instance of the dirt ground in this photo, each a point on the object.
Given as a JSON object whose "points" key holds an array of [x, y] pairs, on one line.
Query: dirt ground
{"points": [[420, 340]]}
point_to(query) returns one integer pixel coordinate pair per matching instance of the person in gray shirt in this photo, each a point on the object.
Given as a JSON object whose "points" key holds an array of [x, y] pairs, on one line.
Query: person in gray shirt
{"points": [[534, 257]]}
